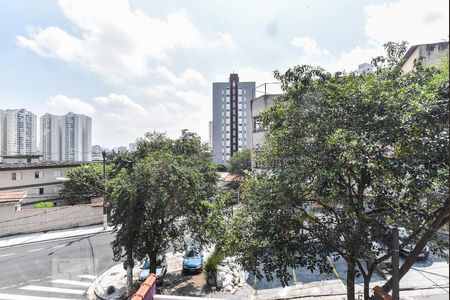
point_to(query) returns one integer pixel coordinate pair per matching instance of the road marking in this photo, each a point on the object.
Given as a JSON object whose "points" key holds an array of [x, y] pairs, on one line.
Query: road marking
{"points": [[7, 254], [337, 274], [71, 282], [88, 276], [25, 297], [35, 250], [52, 289], [58, 246]]}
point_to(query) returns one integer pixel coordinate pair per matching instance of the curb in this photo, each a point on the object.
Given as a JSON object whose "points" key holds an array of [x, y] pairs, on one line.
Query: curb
{"points": [[93, 294], [55, 239]]}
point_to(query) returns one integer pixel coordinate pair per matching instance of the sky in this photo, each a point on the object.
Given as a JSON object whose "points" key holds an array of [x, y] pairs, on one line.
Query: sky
{"points": [[140, 66]]}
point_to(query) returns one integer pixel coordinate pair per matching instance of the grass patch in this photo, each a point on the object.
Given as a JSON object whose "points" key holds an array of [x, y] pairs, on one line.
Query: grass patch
{"points": [[44, 205]]}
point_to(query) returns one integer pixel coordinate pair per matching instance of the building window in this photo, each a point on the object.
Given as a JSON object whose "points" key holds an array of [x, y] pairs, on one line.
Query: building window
{"points": [[56, 189], [38, 174], [57, 173], [16, 176], [223, 92], [245, 92], [39, 191], [228, 91]]}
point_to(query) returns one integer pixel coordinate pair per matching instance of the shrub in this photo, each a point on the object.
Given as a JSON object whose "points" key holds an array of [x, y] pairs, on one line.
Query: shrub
{"points": [[211, 265], [44, 205]]}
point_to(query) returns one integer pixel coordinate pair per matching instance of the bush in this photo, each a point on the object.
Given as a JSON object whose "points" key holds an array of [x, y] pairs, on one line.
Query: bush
{"points": [[44, 205], [211, 265]]}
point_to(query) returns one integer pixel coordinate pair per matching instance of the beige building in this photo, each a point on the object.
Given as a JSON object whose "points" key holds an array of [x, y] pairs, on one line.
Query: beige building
{"points": [[428, 54], [263, 98], [37, 179]]}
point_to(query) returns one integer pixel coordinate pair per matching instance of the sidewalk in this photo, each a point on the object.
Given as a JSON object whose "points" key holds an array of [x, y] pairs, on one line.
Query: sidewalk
{"points": [[32, 238]]}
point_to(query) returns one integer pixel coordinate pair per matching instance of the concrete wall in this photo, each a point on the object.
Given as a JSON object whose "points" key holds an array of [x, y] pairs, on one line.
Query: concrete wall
{"points": [[43, 219]]}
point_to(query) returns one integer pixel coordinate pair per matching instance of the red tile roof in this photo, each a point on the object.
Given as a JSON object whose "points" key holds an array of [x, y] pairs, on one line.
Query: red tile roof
{"points": [[16, 196]]}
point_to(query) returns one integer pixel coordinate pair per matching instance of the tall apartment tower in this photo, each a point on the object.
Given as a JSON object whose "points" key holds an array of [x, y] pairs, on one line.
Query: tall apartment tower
{"points": [[18, 129], [2, 133], [76, 137], [231, 125], [51, 137]]}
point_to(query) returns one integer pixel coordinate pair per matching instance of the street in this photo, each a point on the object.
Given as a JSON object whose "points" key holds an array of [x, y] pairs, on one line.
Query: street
{"points": [[61, 269]]}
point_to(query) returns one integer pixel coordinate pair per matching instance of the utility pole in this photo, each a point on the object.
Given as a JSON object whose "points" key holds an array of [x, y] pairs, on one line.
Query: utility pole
{"points": [[105, 216], [395, 265]]}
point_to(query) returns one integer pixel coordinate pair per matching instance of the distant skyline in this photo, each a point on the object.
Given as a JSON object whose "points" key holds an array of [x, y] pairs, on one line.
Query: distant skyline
{"points": [[137, 66]]}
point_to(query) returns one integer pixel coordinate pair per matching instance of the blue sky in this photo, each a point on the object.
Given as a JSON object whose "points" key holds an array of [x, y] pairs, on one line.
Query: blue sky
{"points": [[138, 66]]}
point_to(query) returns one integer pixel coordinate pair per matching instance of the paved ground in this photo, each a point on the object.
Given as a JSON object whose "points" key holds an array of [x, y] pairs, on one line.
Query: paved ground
{"points": [[54, 270]]}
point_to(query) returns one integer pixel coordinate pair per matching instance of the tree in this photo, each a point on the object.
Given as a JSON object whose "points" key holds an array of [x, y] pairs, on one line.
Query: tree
{"points": [[348, 146], [85, 182], [241, 162], [163, 197]]}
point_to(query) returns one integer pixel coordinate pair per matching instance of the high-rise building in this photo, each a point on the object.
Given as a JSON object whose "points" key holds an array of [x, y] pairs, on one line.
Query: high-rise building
{"points": [[132, 147], [76, 137], [2, 133], [51, 138], [18, 132], [232, 126], [210, 134]]}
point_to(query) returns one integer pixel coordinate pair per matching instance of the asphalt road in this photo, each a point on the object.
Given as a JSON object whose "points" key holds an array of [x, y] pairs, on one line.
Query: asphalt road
{"points": [[54, 270]]}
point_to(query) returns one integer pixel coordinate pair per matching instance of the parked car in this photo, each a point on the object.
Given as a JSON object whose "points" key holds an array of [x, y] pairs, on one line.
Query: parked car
{"points": [[405, 249], [193, 260], [161, 269]]}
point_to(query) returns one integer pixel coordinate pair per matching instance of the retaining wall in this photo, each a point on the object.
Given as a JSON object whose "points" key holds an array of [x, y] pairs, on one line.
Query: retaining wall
{"points": [[44, 219]]}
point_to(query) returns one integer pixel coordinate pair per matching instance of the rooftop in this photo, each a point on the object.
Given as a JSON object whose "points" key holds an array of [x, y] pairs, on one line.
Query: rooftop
{"points": [[16, 196], [40, 164]]}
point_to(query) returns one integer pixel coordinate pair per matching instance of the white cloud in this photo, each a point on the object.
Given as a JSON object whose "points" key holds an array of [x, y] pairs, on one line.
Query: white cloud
{"points": [[414, 21], [121, 104], [116, 42], [64, 104], [189, 76], [309, 46]]}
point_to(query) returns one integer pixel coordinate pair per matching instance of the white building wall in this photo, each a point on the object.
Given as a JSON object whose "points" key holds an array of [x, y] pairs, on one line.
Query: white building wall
{"points": [[51, 137], [21, 132], [76, 133]]}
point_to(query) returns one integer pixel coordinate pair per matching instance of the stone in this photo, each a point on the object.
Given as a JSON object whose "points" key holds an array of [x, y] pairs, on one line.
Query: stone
{"points": [[234, 290], [221, 274], [228, 288]]}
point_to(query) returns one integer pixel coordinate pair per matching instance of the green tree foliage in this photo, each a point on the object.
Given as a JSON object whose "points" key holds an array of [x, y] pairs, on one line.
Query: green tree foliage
{"points": [[241, 162], [165, 196], [348, 155], [85, 182]]}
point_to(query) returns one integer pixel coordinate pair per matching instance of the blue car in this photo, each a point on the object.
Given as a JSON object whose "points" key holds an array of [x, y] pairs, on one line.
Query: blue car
{"points": [[193, 260]]}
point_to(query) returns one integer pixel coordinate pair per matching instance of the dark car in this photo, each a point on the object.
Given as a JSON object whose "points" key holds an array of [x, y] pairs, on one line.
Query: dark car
{"points": [[161, 269], [405, 249], [193, 260]]}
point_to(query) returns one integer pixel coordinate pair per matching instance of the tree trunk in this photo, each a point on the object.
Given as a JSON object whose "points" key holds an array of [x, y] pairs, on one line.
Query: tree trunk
{"points": [[130, 265], [152, 258], [438, 223], [350, 280], [367, 284]]}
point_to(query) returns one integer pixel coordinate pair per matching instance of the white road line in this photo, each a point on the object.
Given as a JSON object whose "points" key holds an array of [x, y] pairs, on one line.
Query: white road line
{"points": [[88, 276], [71, 282], [7, 254], [58, 246], [25, 297], [35, 250], [52, 289]]}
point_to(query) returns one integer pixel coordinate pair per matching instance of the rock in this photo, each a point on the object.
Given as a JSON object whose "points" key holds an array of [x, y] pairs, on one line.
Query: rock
{"points": [[234, 290], [240, 284], [229, 277], [219, 282], [236, 274], [228, 288], [221, 274]]}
